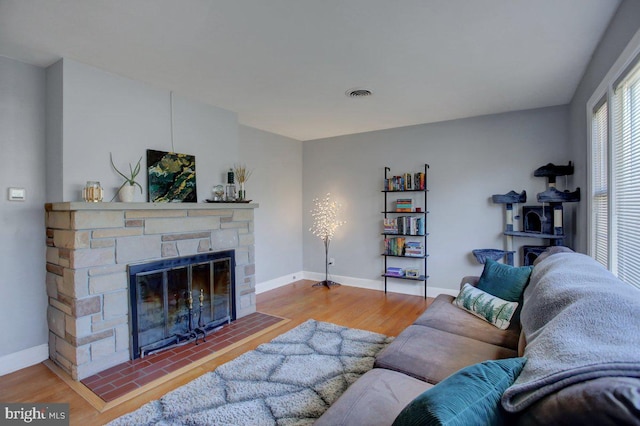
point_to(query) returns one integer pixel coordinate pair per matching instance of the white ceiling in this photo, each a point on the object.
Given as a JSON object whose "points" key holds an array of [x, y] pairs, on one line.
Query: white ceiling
{"points": [[284, 65]]}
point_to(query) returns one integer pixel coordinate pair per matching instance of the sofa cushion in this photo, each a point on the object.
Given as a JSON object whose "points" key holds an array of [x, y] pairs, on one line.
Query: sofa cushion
{"points": [[445, 316], [431, 355], [492, 309], [504, 281], [376, 398], [470, 396], [604, 401]]}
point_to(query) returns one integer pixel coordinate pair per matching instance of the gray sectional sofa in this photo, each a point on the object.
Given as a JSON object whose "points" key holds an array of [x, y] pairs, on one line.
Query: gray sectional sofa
{"points": [[582, 360]]}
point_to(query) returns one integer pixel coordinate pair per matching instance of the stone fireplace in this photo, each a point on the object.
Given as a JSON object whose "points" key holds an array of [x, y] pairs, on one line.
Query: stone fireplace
{"points": [[90, 248]]}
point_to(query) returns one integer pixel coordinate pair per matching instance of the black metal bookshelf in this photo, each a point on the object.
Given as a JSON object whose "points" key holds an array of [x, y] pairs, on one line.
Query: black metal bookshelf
{"points": [[390, 197]]}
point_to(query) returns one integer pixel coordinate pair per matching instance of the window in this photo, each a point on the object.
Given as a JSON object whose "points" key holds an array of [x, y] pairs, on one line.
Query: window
{"points": [[600, 191], [615, 177]]}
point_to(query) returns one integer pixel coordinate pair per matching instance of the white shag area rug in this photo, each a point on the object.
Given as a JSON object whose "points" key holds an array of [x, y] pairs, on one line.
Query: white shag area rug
{"points": [[291, 380]]}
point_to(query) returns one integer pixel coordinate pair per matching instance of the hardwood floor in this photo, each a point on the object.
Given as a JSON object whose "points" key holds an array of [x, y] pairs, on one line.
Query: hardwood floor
{"points": [[348, 306]]}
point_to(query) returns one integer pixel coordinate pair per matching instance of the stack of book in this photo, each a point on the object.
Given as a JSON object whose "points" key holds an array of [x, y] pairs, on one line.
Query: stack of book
{"points": [[413, 249], [395, 272], [394, 246], [404, 205]]}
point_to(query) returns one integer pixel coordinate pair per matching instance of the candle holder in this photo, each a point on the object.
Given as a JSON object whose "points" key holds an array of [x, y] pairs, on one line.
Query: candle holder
{"points": [[92, 192]]}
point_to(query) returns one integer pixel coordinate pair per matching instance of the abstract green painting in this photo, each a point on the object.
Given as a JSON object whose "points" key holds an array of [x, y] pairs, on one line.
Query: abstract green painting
{"points": [[172, 177]]}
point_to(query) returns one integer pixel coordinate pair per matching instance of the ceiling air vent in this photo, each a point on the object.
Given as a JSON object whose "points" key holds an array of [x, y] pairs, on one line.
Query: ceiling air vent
{"points": [[358, 93]]}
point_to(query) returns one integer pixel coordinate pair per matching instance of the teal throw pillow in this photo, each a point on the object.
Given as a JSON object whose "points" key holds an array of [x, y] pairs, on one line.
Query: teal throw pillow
{"points": [[492, 309], [504, 281], [470, 396]]}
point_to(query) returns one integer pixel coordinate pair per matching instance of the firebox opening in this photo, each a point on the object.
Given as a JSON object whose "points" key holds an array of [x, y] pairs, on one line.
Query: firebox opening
{"points": [[180, 300]]}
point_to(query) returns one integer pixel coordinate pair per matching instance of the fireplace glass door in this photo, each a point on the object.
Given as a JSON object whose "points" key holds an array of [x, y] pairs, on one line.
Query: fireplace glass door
{"points": [[179, 300]]}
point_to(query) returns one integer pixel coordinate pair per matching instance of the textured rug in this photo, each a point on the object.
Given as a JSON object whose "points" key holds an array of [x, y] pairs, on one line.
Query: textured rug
{"points": [[291, 380]]}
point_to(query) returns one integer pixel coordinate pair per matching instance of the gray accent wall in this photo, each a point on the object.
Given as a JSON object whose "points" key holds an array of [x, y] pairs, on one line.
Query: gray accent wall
{"points": [[276, 184], [22, 235], [104, 112], [470, 160], [623, 26]]}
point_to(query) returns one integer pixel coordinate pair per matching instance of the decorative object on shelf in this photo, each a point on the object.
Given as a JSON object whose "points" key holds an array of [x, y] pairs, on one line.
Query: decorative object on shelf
{"points": [[230, 189], [126, 191], [412, 272], [325, 223], [242, 176], [404, 225], [172, 177], [92, 192], [218, 193]]}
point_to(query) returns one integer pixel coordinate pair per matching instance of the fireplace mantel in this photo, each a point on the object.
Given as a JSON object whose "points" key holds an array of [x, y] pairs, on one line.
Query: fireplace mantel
{"points": [[80, 205], [90, 245]]}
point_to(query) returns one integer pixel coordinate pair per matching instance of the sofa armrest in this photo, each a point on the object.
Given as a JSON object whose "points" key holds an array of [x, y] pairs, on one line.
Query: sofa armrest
{"points": [[473, 280]]}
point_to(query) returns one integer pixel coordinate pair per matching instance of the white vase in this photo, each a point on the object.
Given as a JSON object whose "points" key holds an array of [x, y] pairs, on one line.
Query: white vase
{"points": [[126, 193]]}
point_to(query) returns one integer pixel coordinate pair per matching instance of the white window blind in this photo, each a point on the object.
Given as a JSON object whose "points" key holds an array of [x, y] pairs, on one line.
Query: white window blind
{"points": [[625, 178], [599, 179]]}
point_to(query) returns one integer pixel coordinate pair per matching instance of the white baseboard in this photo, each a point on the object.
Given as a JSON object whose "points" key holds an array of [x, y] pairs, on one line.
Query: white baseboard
{"points": [[279, 282], [22, 359], [414, 288]]}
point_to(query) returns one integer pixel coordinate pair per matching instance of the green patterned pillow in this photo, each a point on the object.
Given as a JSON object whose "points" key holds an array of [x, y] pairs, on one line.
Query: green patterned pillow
{"points": [[483, 305]]}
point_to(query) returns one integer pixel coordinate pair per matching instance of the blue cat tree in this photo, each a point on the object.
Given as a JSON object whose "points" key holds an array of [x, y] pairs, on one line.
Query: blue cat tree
{"points": [[551, 196]]}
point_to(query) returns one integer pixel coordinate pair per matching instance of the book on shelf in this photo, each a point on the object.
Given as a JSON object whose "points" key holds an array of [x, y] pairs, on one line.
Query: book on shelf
{"points": [[406, 182], [394, 246], [409, 225], [420, 181]]}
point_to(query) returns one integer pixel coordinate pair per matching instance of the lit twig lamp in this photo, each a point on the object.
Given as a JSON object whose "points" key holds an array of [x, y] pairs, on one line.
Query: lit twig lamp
{"points": [[325, 222]]}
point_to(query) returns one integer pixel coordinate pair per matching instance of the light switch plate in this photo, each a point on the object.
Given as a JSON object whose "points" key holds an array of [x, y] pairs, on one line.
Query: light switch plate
{"points": [[17, 194]]}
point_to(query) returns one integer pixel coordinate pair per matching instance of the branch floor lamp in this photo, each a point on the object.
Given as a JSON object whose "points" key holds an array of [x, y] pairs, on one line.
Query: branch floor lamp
{"points": [[325, 222]]}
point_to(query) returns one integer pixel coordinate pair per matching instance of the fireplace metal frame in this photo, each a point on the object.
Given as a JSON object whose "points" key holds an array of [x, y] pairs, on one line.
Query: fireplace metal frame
{"points": [[167, 264]]}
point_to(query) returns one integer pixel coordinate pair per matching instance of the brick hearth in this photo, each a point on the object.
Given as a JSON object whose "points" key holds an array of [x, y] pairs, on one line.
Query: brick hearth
{"points": [[89, 246], [117, 381]]}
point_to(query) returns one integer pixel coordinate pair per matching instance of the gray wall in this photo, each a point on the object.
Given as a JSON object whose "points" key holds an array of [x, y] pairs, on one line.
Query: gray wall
{"points": [[104, 112], [22, 236], [470, 160], [623, 26], [276, 184]]}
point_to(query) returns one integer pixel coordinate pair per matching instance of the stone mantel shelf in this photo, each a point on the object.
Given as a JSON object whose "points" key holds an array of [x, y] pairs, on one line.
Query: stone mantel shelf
{"points": [[81, 205]]}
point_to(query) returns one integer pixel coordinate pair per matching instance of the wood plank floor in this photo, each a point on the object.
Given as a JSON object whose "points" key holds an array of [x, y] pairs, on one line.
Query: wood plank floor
{"points": [[348, 306]]}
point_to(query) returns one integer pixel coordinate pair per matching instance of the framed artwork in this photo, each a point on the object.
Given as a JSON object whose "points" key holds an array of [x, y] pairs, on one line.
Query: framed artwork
{"points": [[172, 177]]}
